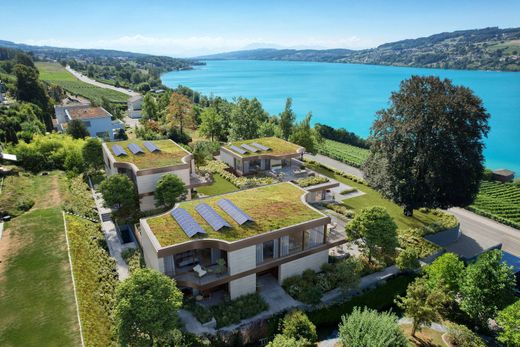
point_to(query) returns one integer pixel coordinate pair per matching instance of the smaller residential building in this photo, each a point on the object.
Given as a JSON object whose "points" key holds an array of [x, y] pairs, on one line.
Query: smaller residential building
{"points": [[225, 242], [135, 103], [260, 155], [503, 175], [97, 120], [145, 162]]}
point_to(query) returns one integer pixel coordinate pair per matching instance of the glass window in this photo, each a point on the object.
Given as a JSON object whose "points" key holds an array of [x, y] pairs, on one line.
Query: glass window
{"points": [[314, 237], [266, 251], [296, 242], [87, 123]]}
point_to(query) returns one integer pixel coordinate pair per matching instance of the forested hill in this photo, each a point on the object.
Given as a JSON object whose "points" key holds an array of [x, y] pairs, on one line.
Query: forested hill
{"points": [[479, 49]]}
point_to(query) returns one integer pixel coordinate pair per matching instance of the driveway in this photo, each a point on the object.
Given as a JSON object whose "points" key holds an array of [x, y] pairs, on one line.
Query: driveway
{"points": [[88, 80], [335, 164]]}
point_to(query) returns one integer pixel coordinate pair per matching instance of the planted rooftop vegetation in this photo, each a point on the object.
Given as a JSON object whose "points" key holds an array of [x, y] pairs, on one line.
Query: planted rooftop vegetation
{"points": [[277, 147], [169, 153], [271, 207], [500, 201]]}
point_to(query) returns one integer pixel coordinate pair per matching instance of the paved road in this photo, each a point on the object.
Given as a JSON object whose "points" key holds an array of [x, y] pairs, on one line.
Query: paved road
{"points": [[478, 233], [86, 79]]}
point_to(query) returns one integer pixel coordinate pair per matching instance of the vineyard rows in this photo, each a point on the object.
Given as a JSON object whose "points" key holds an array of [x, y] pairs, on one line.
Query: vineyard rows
{"points": [[348, 154], [500, 201]]}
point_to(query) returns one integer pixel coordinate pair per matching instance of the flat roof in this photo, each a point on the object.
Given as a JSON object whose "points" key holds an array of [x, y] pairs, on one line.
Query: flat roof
{"points": [[271, 207], [278, 147], [170, 154], [87, 112]]}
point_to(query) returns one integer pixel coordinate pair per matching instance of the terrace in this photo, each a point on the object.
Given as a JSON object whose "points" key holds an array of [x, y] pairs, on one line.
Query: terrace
{"points": [[169, 154], [271, 207]]}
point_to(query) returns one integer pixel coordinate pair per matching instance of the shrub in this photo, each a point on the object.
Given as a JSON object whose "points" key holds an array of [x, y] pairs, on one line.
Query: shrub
{"points": [[25, 205], [284, 341], [297, 325], [369, 328], [408, 260], [338, 172], [348, 191], [218, 167], [461, 336], [79, 200], [341, 209], [311, 181], [133, 258], [200, 312], [231, 312]]}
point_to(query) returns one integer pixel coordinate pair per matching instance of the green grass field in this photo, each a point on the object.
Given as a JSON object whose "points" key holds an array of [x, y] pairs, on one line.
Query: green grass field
{"points": [[500, 201], [347, 154], [219, 186], [36, 297], [55, 73]]}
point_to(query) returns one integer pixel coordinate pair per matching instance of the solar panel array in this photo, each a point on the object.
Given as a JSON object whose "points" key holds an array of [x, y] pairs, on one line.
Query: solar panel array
{"points": [[211, 216], [135, 148], [186, 222], [118, 150], [238, 149], [233, 211], [151, 146], [249, 148], [261, 147]]}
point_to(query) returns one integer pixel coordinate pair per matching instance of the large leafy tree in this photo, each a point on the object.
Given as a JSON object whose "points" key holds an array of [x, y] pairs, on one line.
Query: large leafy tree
{"points": [[246, 118], [427, 145], [77, 129], [422, 303], [304, 135], [368, 328], [211, 123], [150, 107], [509, 320], [376, 230], [168, 190], [487, 287], [146, 309], [179, 111], [287, 119], [118, 190], [285, 341], [446, 270], [93, 153], [297, 325]]}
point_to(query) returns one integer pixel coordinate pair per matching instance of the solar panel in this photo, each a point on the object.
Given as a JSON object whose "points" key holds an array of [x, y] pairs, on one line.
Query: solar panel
{"points": [[118, 150], [211, 216], [134, 148], [261, 147], [186, 222], [238, 149], [231, 209], [151, 146], [249, 148]]}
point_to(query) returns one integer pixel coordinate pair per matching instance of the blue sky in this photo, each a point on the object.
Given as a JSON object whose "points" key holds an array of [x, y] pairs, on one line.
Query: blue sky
{"points": [[190, 28]]}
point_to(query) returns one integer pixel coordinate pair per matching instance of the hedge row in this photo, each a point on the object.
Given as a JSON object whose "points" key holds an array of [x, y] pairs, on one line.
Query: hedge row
{"points": [[96, 277], [338, 172], [218, 167], [311, 181], [80, 201]]}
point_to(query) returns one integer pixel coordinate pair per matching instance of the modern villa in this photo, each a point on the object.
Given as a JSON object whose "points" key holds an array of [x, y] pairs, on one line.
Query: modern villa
{"points": [[145, 162], [97, 120], [261, 155], [225, 242]]}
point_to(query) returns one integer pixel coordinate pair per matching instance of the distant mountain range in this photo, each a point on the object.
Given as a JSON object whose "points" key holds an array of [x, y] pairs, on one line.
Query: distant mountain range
{"points": [[478, 49]]}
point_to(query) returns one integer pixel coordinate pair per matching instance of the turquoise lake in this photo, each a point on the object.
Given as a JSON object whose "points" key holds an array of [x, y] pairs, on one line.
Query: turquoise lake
{"points": [[348, 95]]}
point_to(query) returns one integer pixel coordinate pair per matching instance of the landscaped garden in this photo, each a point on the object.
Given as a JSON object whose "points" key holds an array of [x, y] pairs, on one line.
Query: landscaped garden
{"points": [[348, 154], [219, 186], [36, 300], [56, 74], [499, 201]]}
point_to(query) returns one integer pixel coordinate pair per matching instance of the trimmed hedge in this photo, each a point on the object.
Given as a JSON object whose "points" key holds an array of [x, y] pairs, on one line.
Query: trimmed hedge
{"points": [[79, 200], [231, 312], [337, 172], [311, 181], [133, 258]]}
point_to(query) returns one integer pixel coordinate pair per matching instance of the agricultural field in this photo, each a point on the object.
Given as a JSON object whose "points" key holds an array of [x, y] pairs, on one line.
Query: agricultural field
{"points": [[348, 154], [499, 201], [56, 74]]}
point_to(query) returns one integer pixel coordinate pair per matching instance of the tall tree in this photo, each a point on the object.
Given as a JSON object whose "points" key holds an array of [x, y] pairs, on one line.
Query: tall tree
{"points": [[168, 190], [211, 123], [304, 135], [246, 118], [93, 153], [287, 119], [446, 270], [368, 328], [427, 146], [118, 190], [179, 112], [150, 107], [76, 128], [487, 287], [376, 229], [146, 308], [422, 303]]}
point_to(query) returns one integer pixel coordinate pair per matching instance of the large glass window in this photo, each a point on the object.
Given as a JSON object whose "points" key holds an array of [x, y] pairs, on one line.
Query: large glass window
{"points": [[266, 251], [314, 237], [295, 242]]}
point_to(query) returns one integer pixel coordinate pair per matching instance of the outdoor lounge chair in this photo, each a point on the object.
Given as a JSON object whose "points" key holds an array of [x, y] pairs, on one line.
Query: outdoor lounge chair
{"points": [[199, 270]]}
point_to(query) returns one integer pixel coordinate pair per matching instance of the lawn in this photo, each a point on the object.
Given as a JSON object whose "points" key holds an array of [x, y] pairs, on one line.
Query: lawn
{"points": [[500, 201], [347, 154], [56, 74], [373, 198], [169, 154], [271, 207], [425, 338], [219, 186], [37, 300]]}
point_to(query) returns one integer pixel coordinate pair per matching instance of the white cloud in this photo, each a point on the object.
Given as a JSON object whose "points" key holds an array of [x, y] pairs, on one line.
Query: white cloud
{"points": [[200, 45]]}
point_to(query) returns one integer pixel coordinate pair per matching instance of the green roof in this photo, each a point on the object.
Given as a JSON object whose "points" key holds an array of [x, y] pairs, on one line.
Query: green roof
{"points": [[271, 207], [278, 147], [170, 154]]}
